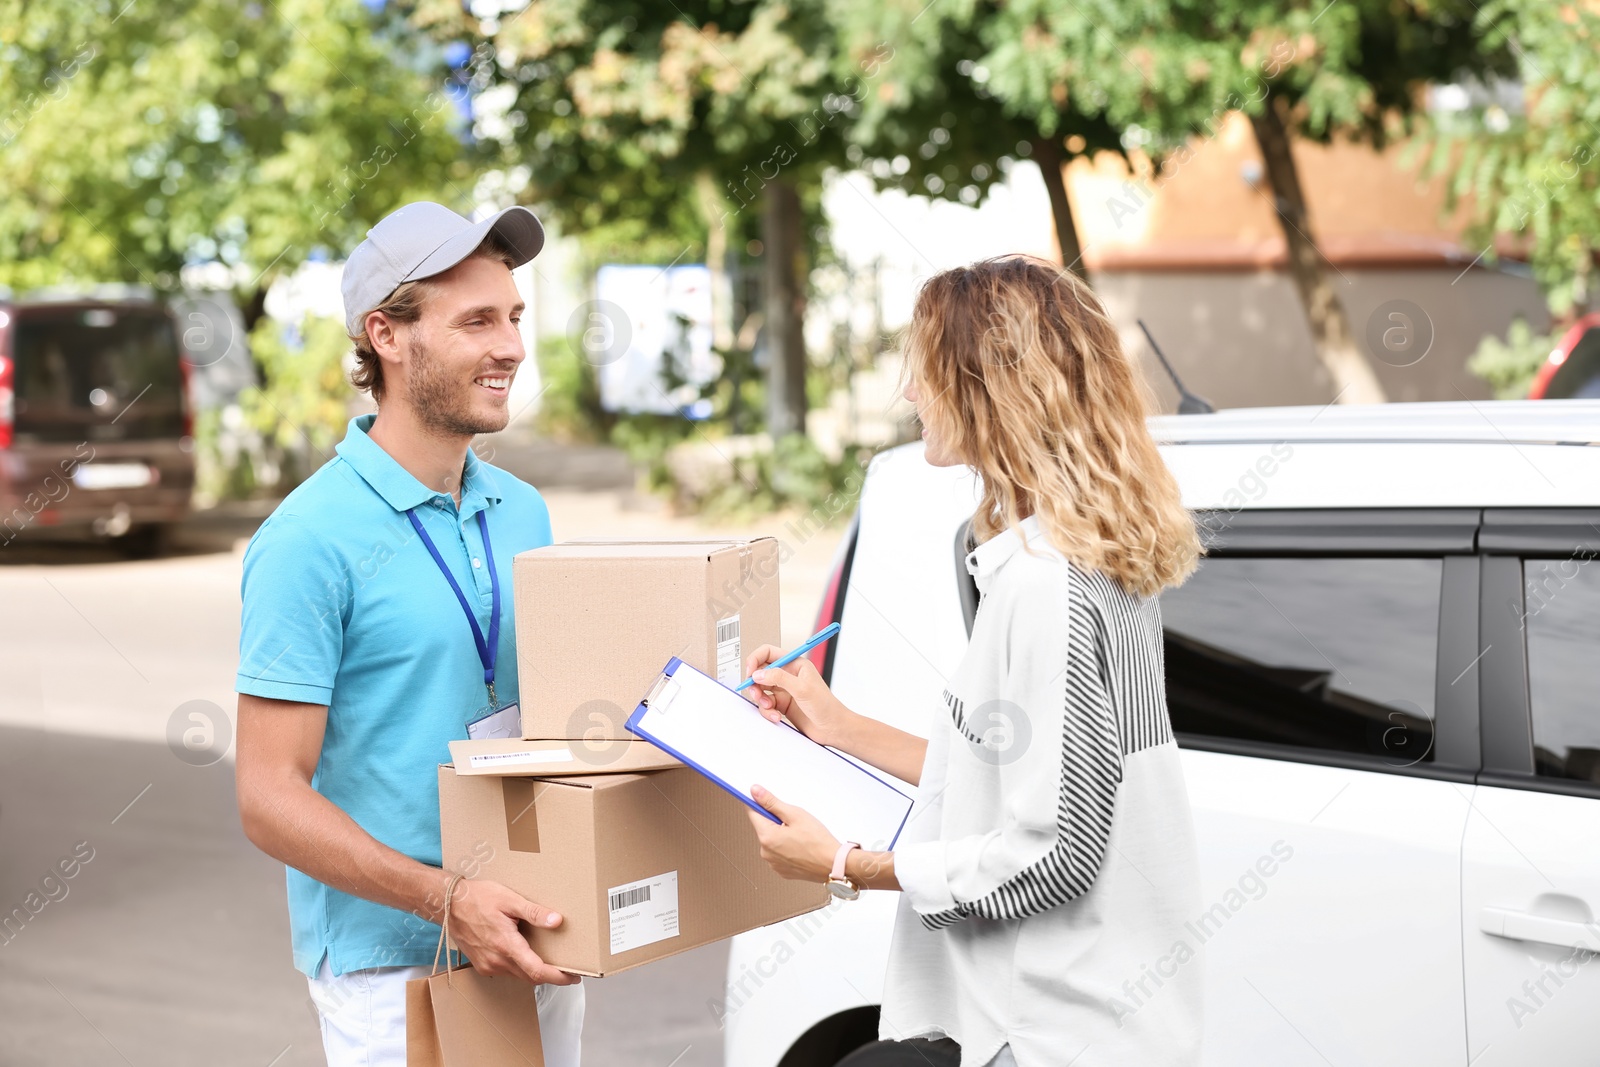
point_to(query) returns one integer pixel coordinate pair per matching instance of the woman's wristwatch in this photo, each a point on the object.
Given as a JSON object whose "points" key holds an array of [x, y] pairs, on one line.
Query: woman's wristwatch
{"points": [[838, 884]]}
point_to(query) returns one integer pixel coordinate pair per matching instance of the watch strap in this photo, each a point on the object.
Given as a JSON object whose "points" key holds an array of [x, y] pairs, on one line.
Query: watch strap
{"points": [[839, 858]]}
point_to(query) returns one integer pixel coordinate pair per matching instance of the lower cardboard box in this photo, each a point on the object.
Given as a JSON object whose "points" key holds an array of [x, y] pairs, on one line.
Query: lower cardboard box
{"points": [[639, 866]]}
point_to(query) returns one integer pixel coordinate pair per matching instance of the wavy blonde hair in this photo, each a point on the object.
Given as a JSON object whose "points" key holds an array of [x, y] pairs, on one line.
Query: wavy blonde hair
{"points": [[1022, 375]]}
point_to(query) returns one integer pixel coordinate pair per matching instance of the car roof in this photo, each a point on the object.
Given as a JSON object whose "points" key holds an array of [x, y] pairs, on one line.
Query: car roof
{"points": [[1517, 453], [1494, 421], [1477, 454]]}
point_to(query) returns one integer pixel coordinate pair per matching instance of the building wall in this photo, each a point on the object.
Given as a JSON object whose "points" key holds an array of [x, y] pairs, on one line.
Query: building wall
{"points": [[1213, 206], [1240, 339], [1198, 251]]}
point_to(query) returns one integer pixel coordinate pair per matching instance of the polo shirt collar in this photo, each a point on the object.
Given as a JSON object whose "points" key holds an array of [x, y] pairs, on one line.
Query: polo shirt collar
{"points": [[400, 488], [478, 479], [987, 558]]}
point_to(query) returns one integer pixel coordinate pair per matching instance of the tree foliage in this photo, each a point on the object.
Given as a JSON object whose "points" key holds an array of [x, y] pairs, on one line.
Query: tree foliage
{"points": [[970, 88], [141, 138], [1510, 366], [621, 108], [1348, 70], [638, 119], [1530, 171]]}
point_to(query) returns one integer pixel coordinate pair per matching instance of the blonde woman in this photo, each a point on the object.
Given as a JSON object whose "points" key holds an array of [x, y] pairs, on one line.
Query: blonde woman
{"points": [[1042, 881]]}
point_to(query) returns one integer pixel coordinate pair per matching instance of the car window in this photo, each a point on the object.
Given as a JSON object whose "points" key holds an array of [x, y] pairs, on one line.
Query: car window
{"points": [[1579, 374], [1335, 654], [1561, 613], [83, 367]]}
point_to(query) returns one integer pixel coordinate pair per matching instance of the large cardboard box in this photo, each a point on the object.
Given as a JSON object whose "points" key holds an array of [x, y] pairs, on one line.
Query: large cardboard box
{"points": [[597, 620], [639, 866]]}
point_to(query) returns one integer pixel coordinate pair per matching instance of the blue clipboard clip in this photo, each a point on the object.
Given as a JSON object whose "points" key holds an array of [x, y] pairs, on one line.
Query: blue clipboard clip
{"points": [[653, 698], [632, 725]]}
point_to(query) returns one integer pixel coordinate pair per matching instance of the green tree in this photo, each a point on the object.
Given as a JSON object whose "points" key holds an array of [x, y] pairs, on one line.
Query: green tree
{"points": [[140, 138], [1510, 366], [1350, 70], [1529, 171], [650, 116], [969, 89]]}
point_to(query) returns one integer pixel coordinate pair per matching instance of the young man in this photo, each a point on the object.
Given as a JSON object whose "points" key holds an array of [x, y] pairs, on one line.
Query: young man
{"points": [[371, 638]]}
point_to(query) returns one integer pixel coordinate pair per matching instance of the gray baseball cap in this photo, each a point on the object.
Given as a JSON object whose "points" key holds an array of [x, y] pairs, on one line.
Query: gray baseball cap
{"points": [[423, 239]]}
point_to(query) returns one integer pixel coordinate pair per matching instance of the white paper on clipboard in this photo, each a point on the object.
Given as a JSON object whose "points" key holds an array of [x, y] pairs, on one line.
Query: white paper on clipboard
{"points": [[721, 734]]}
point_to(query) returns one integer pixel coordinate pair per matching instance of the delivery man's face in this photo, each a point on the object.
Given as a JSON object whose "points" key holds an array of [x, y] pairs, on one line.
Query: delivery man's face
{"points": [[464, 351]]}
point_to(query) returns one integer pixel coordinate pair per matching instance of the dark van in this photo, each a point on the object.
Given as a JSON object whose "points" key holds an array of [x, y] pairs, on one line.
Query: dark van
{"points": [[96, 428]]}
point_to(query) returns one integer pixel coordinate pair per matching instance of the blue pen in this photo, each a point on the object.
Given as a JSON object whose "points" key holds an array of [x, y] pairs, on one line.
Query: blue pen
{"points": [[811, 642]]}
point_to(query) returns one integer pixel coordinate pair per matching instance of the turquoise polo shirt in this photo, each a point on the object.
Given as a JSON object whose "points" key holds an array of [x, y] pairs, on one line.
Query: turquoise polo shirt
{"points": [[343, 606]]}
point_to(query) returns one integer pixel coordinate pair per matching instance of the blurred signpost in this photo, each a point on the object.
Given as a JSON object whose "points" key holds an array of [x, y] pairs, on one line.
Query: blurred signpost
{"points": [[658, 351]]}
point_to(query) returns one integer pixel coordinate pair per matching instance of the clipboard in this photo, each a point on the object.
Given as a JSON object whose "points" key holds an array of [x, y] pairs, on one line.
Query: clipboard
{"points": [[719, 733]]}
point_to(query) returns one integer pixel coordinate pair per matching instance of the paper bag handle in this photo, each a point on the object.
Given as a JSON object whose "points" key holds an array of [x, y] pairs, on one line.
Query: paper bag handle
{"points": [[446, 944]]}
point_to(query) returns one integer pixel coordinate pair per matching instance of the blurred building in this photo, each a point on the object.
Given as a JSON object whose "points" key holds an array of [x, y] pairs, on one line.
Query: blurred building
{"points": [[1198, 253]]}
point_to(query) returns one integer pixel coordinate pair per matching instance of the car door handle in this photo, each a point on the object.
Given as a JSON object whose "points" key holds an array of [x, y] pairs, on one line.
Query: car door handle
{"points": [[1521, 926]]}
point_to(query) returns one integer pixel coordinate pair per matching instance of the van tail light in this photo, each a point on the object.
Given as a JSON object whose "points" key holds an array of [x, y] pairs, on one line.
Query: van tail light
{"points": [[186, 369], [832, 607], [8, 396]]}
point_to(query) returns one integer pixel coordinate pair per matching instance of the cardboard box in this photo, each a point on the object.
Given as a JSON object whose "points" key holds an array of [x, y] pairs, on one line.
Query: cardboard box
{"points": [[639, 866], [557, 758], [597, 620]]}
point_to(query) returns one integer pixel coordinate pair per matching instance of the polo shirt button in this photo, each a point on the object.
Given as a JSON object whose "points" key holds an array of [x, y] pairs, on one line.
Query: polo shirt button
{"points": [[477, 562]]}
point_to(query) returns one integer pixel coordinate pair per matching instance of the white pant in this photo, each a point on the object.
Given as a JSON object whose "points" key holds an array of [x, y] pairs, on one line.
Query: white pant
{"points": [[363, 1016]]}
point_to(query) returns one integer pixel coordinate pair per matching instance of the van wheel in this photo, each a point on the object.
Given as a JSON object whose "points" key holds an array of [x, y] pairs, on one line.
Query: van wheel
{"points": [[145, 542], [905, 1054]]}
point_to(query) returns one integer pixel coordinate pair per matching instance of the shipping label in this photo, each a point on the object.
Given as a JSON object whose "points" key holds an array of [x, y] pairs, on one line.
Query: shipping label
{"points": [[730, 653], [643, 912]]}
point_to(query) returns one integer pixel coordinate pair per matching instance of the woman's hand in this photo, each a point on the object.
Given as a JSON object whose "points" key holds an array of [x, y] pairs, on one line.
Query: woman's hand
{"points": [[798, 693], [801, 849]]}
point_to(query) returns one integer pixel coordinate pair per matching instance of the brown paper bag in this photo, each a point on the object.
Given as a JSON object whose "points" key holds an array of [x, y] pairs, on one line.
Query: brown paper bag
{"points": [[459, 1018]]}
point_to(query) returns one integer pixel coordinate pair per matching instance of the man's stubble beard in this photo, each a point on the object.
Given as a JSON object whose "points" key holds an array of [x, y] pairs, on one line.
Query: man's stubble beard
{"points": [[441, 403]]}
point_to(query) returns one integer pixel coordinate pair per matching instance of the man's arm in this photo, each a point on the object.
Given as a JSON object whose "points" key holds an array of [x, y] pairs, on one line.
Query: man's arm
{"points": [[279, 745]]}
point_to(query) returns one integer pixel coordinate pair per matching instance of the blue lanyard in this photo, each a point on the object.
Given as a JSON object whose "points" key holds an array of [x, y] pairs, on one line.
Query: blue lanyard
{"points": [[489, 649]]}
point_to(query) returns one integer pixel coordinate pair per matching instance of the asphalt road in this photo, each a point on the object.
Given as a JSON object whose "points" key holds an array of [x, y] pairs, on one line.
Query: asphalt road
{"points": [[169, 944]]}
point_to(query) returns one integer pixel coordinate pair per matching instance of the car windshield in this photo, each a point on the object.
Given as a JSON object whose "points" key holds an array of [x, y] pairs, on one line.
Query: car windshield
{"points": [[96, 373]]}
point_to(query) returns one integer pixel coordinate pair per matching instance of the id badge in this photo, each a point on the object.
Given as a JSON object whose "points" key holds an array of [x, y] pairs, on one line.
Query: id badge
{"points": [[503, 722]]}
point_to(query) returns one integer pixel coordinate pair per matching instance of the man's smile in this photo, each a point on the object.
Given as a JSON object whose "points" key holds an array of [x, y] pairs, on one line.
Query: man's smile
{"points": [[496, 384]]}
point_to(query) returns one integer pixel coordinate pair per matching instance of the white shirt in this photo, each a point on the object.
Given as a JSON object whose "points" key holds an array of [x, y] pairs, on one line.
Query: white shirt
{"points": [[1049, 865]]}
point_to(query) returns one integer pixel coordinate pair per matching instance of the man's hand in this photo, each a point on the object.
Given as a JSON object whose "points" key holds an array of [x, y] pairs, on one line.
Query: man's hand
{"points": [[279, 746], [483, 924]]}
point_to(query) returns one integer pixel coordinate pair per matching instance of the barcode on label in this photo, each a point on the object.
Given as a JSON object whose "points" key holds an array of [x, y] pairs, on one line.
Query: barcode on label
{"points": [[629, 898], [730, 651], [643, 911]]}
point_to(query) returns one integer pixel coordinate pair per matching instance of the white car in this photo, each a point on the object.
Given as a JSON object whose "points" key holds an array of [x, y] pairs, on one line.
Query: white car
{"points": [[1385, 677]]}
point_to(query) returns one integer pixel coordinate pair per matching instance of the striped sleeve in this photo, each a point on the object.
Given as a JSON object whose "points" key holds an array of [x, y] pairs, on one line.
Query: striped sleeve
{"points": [[1090, 772]]}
